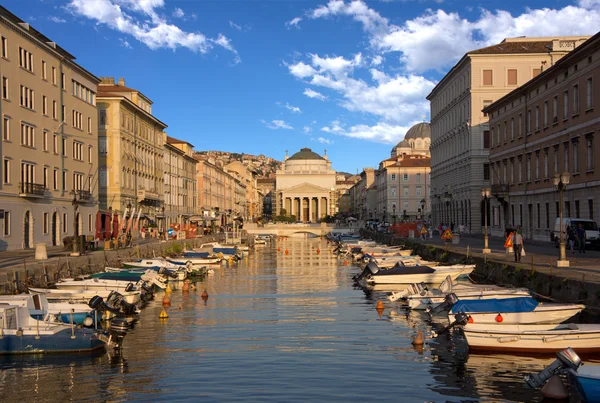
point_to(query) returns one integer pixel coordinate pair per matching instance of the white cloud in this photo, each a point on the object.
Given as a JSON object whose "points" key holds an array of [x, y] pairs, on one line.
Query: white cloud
{"points": [[234, 25], [131, 17], [301, 70], [437, 39], [322, 140], [57, 20], [277, 124], [178, 13], [293, 22], [125, 44], [381, 132], [292, 108], [314, 94], [307, 129]]}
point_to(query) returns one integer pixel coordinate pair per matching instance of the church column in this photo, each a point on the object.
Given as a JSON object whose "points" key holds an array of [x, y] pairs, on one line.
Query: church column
{"points": [[291, 212], [288, 204], [316, 201], [323, 207], [297, 207], [310, 209]]}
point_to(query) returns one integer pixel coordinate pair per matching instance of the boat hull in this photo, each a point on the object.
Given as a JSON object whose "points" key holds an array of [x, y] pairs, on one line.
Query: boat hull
{"points": [[549, 341], [61, 342], [539, 315], [587, 385], [435, 278]]}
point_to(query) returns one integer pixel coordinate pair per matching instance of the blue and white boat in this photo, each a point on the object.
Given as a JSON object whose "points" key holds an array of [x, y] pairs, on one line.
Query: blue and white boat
{"points": [[216, 248], [22, 334], [586, 380], [40, 309]]}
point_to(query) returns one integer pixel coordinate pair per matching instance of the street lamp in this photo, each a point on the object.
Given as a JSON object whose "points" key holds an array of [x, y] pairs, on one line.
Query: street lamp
{"points": [[75, 204], [485, 194], [394, 212], [561, 182], [447, 198], [423, 209]]}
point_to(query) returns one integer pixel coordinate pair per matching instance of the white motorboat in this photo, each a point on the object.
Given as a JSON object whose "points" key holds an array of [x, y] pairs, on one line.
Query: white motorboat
{"points": [[387, 251], [581, 338], [418, 297], [372, 274], [95, 284], [412, 260], [81, 295], [39, 308], [514, 311], [195, 261]]}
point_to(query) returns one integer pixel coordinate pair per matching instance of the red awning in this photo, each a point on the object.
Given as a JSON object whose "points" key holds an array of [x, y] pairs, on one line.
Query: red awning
{"points": [[99, 225], [115, 233], [107, 226]]}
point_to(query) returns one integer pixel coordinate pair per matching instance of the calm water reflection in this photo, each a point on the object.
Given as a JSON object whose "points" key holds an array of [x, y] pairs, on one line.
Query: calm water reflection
{"points": [[278, 328]]}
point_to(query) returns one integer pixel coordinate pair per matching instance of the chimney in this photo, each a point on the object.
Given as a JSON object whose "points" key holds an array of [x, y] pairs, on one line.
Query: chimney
{"points": [[121, 82]]}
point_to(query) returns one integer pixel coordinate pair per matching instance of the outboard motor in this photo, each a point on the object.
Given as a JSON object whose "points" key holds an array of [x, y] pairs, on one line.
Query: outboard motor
{"points": [[565, 359], [129, 287], [448, 303], [412, 289], [117, 302], [166, 272], [118, 330], [97, 303], [368, 271], [460, 319]]}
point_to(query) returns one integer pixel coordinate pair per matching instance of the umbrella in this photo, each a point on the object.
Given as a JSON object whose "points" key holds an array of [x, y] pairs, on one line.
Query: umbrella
{"points": [[99, 225], [115, 233], [107, 226]]}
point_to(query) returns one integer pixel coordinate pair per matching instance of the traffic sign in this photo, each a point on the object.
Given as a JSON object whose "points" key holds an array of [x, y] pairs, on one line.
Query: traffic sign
{"points": [[424, 230], [509, 241], [447, 235]]}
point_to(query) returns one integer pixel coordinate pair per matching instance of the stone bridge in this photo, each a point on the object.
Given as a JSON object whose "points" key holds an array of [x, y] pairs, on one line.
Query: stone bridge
{"points": [[282, 229]]}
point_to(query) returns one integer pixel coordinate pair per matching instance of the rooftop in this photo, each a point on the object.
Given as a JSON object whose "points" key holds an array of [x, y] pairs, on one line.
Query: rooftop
{"points": [[306, 154]]}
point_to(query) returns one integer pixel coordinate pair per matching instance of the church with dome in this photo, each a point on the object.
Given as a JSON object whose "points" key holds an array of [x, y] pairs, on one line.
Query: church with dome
{"points": [[305, 186], [402, 181]]}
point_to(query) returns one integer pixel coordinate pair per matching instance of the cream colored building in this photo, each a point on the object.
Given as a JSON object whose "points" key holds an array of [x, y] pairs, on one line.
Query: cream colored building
{"points": [[180, 179], [305, 187], [363, 195], [131, 148], [49, 140], [402, 181], [249, 206], [459, 128]]}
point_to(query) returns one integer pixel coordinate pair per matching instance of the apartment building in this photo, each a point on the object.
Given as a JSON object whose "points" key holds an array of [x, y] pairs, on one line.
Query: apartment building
{"points": [[49, 170], [548, 126], [363, 196], [459, 128], [131, 152], [250, 207], [180, 191]]}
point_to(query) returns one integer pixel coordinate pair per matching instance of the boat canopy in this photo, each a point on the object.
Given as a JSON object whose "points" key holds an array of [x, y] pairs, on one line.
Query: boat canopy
{"points": [[508, 305]]}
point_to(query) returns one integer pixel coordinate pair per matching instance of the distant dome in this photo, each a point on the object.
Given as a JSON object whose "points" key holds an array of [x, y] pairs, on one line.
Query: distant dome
{"points": [[419, 131], [306, 154], [403, 144]]}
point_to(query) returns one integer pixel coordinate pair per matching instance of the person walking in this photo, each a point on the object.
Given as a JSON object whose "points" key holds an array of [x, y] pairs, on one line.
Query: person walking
{"points": [[517, 243], [571, 238], [581, 238]]}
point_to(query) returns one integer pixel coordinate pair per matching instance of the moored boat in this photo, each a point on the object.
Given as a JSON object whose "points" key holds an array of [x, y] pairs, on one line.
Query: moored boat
{"points": [[40, 309], [399, 274]]}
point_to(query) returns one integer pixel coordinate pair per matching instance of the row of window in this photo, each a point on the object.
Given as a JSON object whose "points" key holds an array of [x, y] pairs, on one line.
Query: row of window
{"points": [[6, 231], [28, 139], [27, 100], [28, 176], [406, 191], [537, 163], [405, 177], [536, 216], [507, 129]]}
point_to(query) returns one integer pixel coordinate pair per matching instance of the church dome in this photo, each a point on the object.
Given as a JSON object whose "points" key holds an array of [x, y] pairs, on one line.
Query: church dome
{"points": [[403, 144], [419, 131], [306, 154]]}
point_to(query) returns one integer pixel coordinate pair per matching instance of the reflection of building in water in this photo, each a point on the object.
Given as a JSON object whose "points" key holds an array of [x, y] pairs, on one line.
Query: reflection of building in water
{"points": [[305, 270]]}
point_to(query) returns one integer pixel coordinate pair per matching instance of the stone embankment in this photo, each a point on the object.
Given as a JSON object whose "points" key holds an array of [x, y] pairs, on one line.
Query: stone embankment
{"points": [[544, 280], [40, 273]]}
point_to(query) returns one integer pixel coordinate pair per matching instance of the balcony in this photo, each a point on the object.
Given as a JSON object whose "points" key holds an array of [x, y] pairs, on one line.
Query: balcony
{"points": [[28, 189], [151, 195], [84, 195], [500, 192]]}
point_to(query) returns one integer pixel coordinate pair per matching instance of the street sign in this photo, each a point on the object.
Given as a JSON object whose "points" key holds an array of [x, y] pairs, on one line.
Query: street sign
{"points": [[424, 230], [447, 235]]}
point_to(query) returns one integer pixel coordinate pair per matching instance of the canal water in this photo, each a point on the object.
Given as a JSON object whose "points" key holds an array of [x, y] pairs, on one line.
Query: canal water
{"points": [[277, 327]]}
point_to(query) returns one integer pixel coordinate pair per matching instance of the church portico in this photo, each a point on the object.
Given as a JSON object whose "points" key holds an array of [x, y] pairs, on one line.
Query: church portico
{"points": [[304, 186]]}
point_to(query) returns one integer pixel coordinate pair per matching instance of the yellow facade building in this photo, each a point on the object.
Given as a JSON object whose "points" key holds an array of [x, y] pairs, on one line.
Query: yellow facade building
{"points": [[49, 140]]}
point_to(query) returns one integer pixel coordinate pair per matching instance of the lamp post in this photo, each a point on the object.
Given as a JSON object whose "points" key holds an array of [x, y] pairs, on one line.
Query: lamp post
{"points": [[75, 204], [423, 209], [561, 182], [485, 194], [447, 198], [394, 212]]}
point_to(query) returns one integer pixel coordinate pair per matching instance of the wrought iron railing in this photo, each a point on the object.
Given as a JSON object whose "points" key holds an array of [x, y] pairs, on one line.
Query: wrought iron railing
{"points": [[29, 188]]}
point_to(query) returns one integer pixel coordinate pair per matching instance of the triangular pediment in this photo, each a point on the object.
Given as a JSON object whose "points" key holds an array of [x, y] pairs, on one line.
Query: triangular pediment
{"points": [[306, 188]]}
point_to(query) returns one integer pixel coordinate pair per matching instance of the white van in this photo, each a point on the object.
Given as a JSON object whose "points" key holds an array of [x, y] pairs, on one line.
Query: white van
{"points": [[591, 230]]}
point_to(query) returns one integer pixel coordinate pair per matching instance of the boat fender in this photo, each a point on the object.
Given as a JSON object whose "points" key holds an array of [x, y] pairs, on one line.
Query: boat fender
{"points": [[499, 318], [470, 320], [508, 339], [550, 339], [129, 287]]}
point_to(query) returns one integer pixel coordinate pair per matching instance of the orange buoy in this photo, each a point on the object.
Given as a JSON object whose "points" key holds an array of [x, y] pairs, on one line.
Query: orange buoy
{"points": [[499, 318], [470, 319], [204, 295], [166, 300], [287, 252], [186, 286], [318, 251], [379, 311], [419, 340], [278, 249], [380, 305]]}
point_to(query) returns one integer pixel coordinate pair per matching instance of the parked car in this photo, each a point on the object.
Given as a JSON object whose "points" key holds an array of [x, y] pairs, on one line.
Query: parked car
{"points": [[591, 231]]}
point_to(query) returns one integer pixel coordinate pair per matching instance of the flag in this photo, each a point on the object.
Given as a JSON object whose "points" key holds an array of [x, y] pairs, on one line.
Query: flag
{"points": [[130, 221], [124, 219], [137, 221]]}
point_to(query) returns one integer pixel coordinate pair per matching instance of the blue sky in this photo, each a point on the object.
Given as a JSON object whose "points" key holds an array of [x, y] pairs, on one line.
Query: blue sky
{"points": [[268, 76]]}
